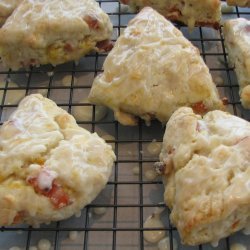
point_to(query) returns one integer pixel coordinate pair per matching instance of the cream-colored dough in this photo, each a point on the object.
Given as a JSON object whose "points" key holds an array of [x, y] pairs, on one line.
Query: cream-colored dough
{"points": [[50, 168], [190, 12], [152, 71], [205, 164], [53, 31], [237, 41]]}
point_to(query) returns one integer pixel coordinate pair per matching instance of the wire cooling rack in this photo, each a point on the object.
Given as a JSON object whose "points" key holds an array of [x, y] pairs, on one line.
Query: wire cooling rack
{"points": [[128, 198]]}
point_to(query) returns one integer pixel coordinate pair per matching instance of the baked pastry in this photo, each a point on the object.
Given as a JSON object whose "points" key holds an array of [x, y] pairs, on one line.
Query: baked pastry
{"points": [[237, 41], [6, 9], [205, 166], [50, 168], [151, 71], [190, 12], [241, 3], [53, 31]]}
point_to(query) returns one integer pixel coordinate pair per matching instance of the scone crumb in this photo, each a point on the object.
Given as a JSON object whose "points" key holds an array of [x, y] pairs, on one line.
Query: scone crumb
{"points": [[100, 210], [150, 175], [136, 170], [160, 167], [215, 243], [218, 80], [78, 214], [237, 246], [50, 73], [73, 235], [154, 148], [66, 81], [15, 248], [226, 8], [44, 244], [246, 231], [33, 248], [85, 113]]}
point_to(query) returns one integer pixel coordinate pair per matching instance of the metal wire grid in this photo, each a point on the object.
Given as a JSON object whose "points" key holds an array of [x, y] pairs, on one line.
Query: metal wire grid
{"points": [[122, 228]]}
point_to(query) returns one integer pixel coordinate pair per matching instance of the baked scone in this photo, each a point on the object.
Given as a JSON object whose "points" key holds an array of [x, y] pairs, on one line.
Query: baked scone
{"points": [[190, 12], [205, 164], [6, 9], [151, 71], [53, 31], [241, 3], [50, 168], [237, 41]]}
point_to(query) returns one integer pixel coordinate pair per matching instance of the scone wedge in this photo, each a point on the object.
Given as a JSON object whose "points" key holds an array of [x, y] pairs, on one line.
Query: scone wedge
{"points": [[240, 3], [50, 168], [53, 31], [6, 9], [153, 70], [190, 12], [205, 164], [237, 41]]}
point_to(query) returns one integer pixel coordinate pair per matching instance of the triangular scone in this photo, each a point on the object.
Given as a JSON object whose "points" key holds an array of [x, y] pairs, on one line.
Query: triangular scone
{"points": [[6, 8], [237, 41], [241, 3], [50, 168], [53, 31], [151, 71], [189, 12], [206, 167]]}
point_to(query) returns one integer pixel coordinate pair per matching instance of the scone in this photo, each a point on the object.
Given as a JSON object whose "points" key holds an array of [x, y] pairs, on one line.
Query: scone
{"points": [[6, 8], [241, 3], [205, 164], [151, 71], [190, 12], [237, 41], [53, 31], [50, 168]]}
